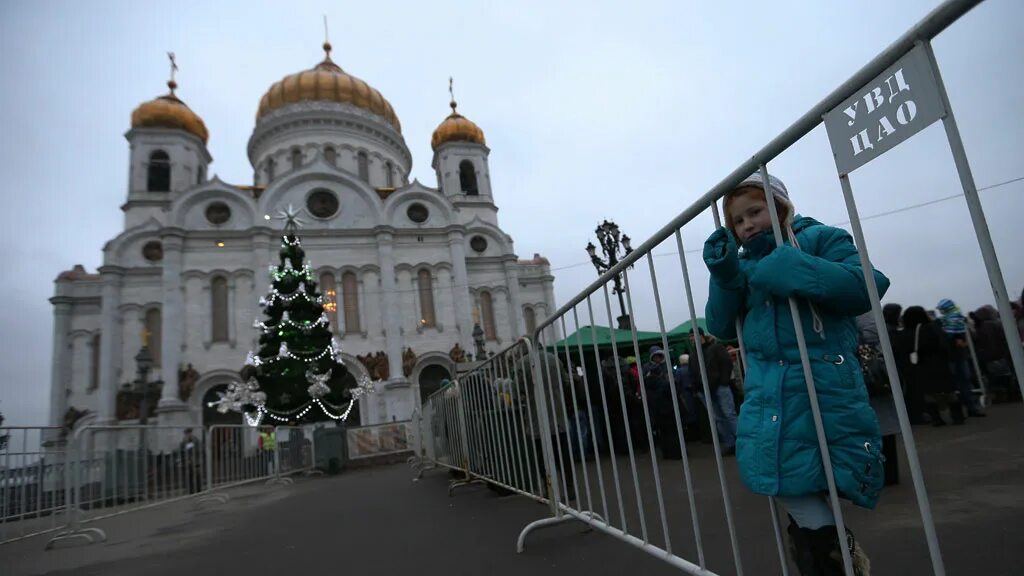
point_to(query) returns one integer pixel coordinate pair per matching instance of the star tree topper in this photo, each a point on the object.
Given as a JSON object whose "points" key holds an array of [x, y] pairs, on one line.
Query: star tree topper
{"points": [[292, 218]]}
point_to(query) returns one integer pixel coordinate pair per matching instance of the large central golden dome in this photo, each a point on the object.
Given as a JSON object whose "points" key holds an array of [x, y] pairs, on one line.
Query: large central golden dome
{"points": [[327, 82]]}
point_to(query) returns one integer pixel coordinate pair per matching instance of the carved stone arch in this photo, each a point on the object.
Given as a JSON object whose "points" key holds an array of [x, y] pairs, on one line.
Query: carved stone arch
{"points": [[208, 381], [211, 191], [194, 274], [403, 198], [371, 268], [116, 247], [426, 361], [288, 181], [243, 273], [476, 226], [354, 366]]}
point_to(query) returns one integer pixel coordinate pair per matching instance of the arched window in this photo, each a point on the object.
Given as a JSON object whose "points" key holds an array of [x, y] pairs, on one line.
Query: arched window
{"points": [[154, 324], [331, 156], [329, 291], [219, 309], [296, 158], [270, 169], [530, 318], [158, 176], [389, 175], [94, 365], [487, 312], [364, 166], [426, 289], [350, 300], [467, 178]]}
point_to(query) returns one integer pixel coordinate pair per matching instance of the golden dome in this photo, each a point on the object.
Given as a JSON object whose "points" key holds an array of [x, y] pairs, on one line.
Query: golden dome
{"points": [[457, 128], [327, 82], [168, 111]]}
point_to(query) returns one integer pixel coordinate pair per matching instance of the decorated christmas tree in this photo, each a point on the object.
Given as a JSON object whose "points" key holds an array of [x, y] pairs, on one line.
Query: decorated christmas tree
{"points": [[298, 367]]}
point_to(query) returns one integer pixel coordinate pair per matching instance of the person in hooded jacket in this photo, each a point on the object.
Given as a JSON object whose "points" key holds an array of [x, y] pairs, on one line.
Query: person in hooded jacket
{"points": [[994, 351], [777, 446], [954, 329], [927, 358]]}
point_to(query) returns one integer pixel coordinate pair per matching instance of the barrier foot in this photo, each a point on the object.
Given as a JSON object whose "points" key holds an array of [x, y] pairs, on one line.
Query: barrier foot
{"points": [[313, 472], [90, 535], [452, 485], [283, 481], [219, 498], [420, 469], [552, 521]]}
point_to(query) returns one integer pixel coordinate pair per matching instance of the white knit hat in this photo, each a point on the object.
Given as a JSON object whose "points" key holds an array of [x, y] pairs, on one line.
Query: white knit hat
{"points": [[778, 190]]}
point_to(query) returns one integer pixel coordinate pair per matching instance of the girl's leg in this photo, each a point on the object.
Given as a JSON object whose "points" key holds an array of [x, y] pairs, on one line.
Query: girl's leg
{"points": [[815, 545], [810, 512]]}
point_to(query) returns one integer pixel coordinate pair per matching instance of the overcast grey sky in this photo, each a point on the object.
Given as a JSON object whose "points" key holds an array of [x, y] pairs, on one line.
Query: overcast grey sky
{"points": [[592, 110]]}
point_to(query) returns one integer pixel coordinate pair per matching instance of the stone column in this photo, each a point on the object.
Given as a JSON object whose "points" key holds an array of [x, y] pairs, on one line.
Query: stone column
{"points": [[109, 342], [512, 279], [389, 297], [61, 359], [261, 264], [549, 298], [173, 319], [460, 289]]}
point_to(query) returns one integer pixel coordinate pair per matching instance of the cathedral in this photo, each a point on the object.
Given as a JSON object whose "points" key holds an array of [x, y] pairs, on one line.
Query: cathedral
{"points": [[416, 279]]}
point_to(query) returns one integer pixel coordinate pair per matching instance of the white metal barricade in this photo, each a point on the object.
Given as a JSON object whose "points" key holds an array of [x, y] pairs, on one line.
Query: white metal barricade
{"points": [[32, 475], [239, 454], [491, 426], [119, 469]]}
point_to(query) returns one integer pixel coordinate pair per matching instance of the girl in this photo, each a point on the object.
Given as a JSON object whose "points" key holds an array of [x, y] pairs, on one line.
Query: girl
{"points": [[777, 447]]}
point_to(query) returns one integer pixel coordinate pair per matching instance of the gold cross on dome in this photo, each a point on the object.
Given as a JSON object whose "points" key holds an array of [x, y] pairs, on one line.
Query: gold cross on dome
{"points": [[174, 64]]}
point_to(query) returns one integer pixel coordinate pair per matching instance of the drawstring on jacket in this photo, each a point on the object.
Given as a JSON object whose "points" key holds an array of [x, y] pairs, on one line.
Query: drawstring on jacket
{"points": [[819, 326]]}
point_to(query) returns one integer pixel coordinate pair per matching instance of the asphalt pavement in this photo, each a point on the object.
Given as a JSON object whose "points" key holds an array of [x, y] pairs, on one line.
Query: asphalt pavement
{"points": [[377, 521]]}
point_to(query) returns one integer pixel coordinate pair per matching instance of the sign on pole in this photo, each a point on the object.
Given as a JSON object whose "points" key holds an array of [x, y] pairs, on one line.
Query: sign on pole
{"points": [[898, 103]]}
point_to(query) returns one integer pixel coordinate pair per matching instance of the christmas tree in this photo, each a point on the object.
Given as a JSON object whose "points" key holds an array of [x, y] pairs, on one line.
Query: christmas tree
{"points": [[298, 366]]}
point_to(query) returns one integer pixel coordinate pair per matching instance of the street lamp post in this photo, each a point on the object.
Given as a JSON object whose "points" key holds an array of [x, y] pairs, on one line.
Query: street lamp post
{"points": [[612, 241]]}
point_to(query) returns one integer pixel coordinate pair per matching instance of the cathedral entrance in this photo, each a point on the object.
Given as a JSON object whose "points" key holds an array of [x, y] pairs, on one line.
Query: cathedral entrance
{"points": [[430, 380], [210, 414]]}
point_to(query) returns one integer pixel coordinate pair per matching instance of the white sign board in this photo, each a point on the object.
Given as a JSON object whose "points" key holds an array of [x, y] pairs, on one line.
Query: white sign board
{"points": [[897, 104]]}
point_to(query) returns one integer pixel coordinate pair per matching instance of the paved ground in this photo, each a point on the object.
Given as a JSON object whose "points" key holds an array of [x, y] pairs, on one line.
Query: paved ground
{"points": [[376, 522]]}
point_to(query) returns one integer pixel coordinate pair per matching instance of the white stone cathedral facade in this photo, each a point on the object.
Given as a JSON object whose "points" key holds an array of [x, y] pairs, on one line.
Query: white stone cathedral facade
{"points": [[404, 266]]}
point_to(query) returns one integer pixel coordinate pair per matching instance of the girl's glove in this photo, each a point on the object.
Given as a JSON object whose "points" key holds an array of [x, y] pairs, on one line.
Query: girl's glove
{"points": [[721, 255]]}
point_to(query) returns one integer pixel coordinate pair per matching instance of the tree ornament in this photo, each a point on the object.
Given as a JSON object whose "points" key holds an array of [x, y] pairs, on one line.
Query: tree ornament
{"points": [[319, 388]]}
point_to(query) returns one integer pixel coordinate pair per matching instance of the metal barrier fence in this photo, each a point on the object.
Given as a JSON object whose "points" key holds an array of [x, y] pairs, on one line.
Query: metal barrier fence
{"points": [[32, 479], [482, 424], [490, 425], [111, 470]]}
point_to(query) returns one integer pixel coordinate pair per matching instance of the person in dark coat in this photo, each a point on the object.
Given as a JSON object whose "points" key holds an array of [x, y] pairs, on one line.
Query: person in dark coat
{"points": [[993, 350], [719, 368], [928, 371], [659, 403]]}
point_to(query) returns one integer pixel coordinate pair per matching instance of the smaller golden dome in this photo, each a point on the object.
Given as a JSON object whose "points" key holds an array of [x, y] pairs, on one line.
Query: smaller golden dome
{"points": [[168, 111], [457, 128]]}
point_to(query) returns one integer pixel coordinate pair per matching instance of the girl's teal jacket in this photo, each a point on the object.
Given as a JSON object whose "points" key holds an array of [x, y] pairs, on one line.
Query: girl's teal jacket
{"points": [[777, 447]]}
